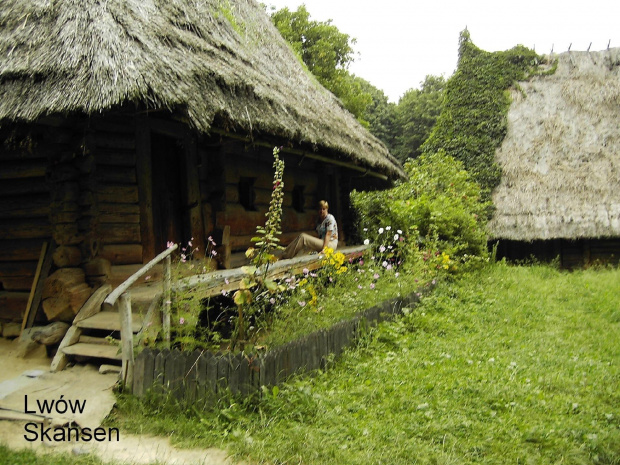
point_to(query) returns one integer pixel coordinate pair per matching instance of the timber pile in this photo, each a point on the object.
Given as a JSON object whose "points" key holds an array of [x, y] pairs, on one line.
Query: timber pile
{"points": [[64, 293]]}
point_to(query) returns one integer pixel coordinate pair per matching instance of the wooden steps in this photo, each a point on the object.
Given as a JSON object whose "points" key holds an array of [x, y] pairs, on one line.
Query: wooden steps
{"points": [[109, 321], [83, 349]]}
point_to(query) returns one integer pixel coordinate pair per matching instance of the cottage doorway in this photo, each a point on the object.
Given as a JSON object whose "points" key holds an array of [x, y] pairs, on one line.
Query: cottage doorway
{"points": [[170, 221]]}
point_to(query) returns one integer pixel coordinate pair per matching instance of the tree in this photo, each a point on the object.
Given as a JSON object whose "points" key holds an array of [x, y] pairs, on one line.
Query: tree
{"points": [[326, 52], [416, 114], [380, 114]]}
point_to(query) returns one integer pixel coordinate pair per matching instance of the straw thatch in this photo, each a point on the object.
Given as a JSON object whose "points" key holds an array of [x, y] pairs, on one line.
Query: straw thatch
{"points": [[561, 156], [218, 60]]}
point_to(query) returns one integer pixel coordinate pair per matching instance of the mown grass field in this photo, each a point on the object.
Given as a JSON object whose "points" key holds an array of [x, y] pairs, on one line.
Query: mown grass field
{"points": [[507, 365]]}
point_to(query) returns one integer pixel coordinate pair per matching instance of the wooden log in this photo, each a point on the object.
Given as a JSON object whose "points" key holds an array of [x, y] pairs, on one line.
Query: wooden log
{"points": [[67, 256], [113, 157], [117, 194], [98, 267], [124, 308], [30, 228], [20, 250], [28, 206], [122, 254], [20, 283], [31, 168], [66, 234], [122, 233], [116, 175], [15, 269], [64, 293], [13, 305]]}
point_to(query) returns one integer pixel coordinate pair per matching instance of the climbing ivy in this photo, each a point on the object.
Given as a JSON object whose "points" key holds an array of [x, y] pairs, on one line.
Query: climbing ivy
{"points": [[473, 121]]}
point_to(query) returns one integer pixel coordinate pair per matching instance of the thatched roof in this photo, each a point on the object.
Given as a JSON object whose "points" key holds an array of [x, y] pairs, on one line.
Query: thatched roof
{"points": [[561, 156], [216, 59]]}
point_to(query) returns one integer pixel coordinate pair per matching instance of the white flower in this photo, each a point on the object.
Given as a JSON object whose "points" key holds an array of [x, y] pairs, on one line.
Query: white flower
{"points": [[366, 241], [381, 230], [396, 236], [399, 231], [387, 228]]}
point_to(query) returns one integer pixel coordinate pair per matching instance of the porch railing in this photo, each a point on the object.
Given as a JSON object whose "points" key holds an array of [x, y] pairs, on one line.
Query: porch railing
{"points": [[120, 298]]}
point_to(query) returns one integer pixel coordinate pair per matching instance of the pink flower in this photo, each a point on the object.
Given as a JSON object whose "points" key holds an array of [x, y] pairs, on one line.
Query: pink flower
{"points": [[372, 285], [213, 253], [306, 271], [359, 286], [376, 276], [302, 303], [181, 321], [382, 249], [169, 244]]}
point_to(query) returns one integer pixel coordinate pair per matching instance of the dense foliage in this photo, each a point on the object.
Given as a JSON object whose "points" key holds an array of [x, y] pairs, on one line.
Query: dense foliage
{"points": [[472, 124], [439, 207], [415, 116], [326, 52]]}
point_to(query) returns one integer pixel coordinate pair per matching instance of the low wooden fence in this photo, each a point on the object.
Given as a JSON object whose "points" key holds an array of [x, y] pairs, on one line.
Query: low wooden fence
{"points": [[189, 376]]}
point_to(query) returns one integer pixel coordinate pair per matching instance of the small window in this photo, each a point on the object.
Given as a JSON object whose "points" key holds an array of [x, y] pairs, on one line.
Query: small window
{"points": [[247, 196], [299, 199]]}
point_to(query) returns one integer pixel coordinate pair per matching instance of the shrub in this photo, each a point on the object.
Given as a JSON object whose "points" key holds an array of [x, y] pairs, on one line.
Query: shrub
{"points": [[439, 209]]}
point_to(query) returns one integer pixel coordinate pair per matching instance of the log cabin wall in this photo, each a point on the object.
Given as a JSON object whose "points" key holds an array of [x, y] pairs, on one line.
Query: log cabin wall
{"points": [[247, 187], [42, 166]]}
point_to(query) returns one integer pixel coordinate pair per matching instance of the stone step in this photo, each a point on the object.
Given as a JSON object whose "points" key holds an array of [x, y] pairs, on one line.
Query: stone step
{"points": [[110, 321], [111, 352]]}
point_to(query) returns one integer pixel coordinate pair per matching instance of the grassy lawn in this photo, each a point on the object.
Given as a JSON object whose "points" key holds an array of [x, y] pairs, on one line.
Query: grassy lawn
{"points": [[508, 365]]}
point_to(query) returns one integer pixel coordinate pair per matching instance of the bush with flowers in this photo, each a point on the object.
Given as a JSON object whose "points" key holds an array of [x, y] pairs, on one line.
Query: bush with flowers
{"points": [[438, 212], [427, 226]]}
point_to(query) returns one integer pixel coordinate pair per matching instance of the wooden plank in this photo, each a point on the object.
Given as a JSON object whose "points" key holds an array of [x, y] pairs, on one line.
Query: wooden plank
{"points": [[60, 360], [149, 369], [144, 170], [111, 352], [109, 321], [38, 285], [93, 304], [212, 373], [127, 330], [201, 377], [233, 373], [35, 284], [223, 371], [137, 388], [244, 374], [159, 371], [191, 376]]}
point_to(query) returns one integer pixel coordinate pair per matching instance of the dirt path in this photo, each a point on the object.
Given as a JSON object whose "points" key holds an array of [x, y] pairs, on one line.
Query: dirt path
{"points": [[26, 385]]}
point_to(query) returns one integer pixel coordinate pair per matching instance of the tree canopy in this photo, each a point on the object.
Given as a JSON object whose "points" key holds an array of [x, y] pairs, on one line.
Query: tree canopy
{"points": [[416, 114], [327, 53]]}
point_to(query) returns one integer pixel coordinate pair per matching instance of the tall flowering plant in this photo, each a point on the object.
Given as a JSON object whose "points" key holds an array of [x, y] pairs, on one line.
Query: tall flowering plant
{"points": [[256, 288]]}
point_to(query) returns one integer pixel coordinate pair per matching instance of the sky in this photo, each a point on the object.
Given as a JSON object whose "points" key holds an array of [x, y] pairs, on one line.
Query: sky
{"points": [[399, 42]]}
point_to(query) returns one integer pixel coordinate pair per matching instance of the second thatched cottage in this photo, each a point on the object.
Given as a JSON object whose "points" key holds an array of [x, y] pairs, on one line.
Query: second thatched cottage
{"points": [[125, 125], [560, 190]]}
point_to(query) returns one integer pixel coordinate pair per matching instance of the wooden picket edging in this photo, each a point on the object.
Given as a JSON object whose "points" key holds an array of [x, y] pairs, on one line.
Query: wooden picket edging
{"points": [[197, 375]]}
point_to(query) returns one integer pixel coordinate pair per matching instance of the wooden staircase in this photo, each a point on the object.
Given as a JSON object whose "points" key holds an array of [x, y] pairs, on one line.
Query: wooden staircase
{"points": [[95, 333]]}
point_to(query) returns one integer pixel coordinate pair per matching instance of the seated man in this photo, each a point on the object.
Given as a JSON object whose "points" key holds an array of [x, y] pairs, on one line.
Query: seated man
{"points": [[327, 230]]}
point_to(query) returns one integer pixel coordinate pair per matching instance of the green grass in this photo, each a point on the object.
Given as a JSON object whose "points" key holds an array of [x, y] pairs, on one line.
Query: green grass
{"points": [[29, 457], [508, 365]]}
